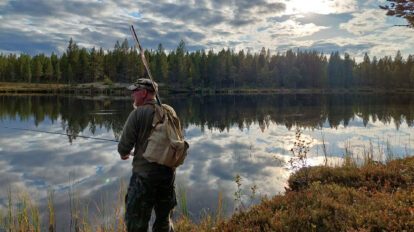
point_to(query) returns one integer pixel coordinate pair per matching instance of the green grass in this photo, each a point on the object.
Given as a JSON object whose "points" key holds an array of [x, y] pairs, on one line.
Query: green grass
{"points": [[182, 202]]}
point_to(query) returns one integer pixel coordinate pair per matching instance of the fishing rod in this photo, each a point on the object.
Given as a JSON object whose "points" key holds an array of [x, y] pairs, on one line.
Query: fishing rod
{"points": [[144, 61], [57, 133]]}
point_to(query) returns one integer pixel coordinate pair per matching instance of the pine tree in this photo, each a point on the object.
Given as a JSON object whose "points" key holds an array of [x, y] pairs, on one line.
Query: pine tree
{"points": [[181, 62], [72, 52], [70, 75], [135, 66], [83, 68], [96, 65], [10, 69], [57, 74], [64, 66], [25, 68], [366, 78], [37, 68], [161, 64], [48, 70], [409, 66], [348, 71], [411, 77], [398, 72]]}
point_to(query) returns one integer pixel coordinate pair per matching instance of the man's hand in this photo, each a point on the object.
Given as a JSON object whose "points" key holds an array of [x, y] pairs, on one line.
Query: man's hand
{"points": [[126, 156]]}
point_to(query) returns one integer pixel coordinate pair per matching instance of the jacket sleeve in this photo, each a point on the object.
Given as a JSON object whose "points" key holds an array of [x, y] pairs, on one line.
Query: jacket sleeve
{"points": [[129, 134]]}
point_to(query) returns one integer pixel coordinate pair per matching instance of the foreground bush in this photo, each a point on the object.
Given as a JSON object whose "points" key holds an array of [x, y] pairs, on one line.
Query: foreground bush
{"points": [[373, 176], [329, 207]]}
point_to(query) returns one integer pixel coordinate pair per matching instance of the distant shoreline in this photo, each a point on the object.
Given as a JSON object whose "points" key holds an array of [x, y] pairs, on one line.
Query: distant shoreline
{"points": [[119, 89]]}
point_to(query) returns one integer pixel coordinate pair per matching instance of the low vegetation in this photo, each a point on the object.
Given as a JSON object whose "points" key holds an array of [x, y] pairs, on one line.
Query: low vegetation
{"points": [[374, 197], [370, 197]]}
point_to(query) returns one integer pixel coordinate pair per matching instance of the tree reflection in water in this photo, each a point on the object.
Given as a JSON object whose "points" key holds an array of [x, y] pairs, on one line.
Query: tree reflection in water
{"points": [[214, 112]]}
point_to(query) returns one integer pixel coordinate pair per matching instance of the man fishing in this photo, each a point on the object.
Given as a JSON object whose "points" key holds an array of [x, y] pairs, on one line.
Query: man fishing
{"points": [[151, 185]]}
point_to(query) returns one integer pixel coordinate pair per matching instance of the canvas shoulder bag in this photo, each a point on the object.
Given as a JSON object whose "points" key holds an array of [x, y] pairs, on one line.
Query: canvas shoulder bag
{"points": [[166, 144]]}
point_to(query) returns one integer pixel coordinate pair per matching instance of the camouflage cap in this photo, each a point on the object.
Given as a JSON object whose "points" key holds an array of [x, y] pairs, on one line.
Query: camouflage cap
{"points": [[143, 83]]}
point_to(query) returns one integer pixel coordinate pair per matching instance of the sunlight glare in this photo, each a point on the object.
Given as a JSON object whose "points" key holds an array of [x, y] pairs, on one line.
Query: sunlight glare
{"points": [[306, 6]]}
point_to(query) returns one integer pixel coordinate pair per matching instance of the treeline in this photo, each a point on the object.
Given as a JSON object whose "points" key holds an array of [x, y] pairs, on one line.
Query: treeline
{"points": [[208, 69]]}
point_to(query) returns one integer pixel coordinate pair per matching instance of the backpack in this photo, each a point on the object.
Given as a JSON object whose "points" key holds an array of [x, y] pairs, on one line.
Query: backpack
{"points": [[166, 144]]}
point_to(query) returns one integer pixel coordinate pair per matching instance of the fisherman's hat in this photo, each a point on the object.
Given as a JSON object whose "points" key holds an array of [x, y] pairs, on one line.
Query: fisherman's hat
{"points": [[143, 83]]}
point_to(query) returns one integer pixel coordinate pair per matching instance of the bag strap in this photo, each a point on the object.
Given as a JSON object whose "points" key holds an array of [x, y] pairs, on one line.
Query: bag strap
{"points": [[158, 118], [159, 115], [174, 122]]}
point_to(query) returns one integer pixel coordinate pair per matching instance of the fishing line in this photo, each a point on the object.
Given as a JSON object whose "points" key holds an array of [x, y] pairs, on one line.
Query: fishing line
{"points": [[57, 133]]}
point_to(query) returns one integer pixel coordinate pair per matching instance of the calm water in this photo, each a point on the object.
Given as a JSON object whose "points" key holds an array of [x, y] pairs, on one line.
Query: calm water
{"points": [[250, 136]]}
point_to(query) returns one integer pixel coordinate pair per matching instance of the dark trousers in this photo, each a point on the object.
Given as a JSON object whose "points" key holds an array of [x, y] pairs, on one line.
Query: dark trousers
{"points": [[147, 191]]}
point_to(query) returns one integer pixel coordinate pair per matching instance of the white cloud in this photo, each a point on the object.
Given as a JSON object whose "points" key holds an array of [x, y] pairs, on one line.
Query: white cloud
{"points": [[291, 28], [3, 3], [365, 22], [385, 39], [321, 6]]}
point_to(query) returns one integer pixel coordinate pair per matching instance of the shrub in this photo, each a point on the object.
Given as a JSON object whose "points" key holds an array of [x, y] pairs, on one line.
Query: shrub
{"points": [[329, 207], [373, 176], [375, 197]]}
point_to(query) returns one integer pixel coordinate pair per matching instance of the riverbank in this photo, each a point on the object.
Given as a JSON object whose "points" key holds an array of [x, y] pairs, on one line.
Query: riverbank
{"points": [[374, 197], [82, 89], [99, 88]]}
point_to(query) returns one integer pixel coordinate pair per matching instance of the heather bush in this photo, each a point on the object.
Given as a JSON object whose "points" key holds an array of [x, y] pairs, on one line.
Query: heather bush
{"points": [[373, 176], [374, 197], [329, 207]]}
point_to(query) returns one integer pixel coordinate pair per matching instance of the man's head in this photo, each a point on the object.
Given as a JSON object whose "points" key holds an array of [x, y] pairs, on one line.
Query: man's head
{"points": [[142, 91]]}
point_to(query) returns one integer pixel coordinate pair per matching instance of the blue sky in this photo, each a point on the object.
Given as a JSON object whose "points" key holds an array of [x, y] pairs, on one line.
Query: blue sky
{"points": [[353, 26]]}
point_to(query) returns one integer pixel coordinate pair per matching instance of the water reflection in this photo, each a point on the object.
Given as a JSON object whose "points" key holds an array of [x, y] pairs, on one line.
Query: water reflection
{"points": [[229, 135], [222, 112]]}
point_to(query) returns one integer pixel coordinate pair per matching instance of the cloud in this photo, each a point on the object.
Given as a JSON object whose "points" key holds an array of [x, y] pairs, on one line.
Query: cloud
{"points": [[13, 40], [321, 6], [365, 22], [327, 20], [385, 39], [101, 23], [291, 28], [327, 48]]}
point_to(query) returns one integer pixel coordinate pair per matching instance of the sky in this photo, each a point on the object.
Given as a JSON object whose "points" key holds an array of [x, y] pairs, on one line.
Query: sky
{"points": [[352, 26]]}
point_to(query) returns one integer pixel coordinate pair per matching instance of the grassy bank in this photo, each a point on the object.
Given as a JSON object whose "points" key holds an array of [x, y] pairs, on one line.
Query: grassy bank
{"points": [[109, 88], [374, 197], [84, 89]]}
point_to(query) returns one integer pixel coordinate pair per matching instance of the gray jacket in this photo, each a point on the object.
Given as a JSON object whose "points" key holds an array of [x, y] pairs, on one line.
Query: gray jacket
{"points": [[135, 133]]}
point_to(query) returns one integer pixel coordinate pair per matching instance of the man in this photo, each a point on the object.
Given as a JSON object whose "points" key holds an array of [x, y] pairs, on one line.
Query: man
{"points": [[151, 185]]}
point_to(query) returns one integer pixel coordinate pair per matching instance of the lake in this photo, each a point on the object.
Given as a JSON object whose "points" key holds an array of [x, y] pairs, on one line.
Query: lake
{"points": [[250, 136]]}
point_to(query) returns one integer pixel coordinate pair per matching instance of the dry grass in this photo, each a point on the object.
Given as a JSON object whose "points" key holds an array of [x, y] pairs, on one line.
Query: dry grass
{"points": [[29, 86]]}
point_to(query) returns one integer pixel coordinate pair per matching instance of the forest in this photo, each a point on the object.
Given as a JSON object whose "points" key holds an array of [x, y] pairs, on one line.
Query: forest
{"points": [[210, 69]]}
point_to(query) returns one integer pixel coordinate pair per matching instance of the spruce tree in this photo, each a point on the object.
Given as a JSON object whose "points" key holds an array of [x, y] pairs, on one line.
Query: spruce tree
{"points": [[48, 70]]}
